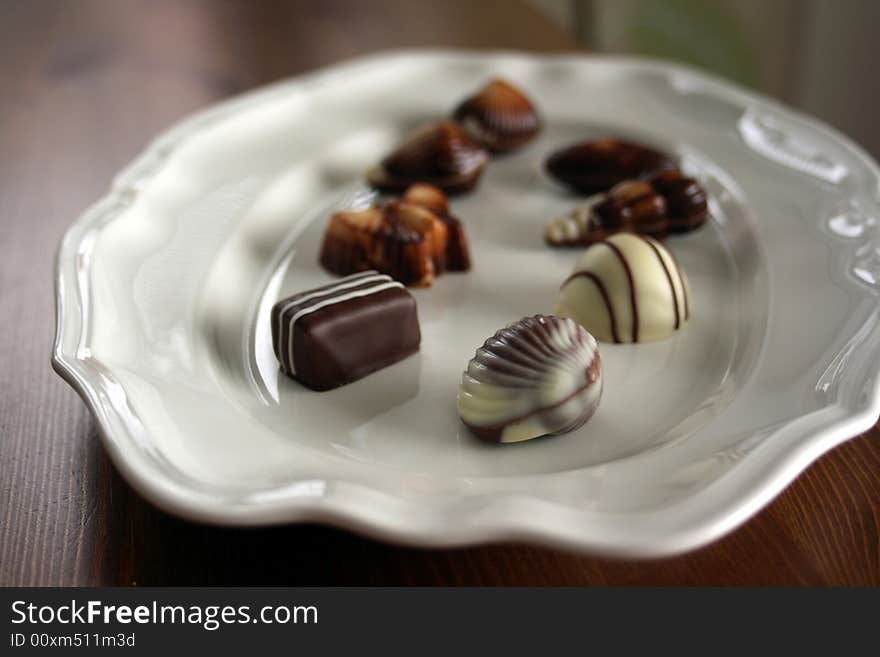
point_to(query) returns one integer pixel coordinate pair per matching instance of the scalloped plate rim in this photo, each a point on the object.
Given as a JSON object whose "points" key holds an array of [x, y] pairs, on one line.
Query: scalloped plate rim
{"points": [[339, 508]]}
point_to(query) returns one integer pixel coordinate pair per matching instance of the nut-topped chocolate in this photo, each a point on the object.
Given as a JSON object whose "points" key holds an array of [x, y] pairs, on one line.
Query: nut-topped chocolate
{"points": [[628, 288], [499, 116], [596, 166], [335, 334], [440, 154], [539, 376]]}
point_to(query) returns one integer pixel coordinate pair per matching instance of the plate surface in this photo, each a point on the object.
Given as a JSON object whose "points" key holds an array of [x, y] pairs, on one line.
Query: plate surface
{"points": [[165, 285]]}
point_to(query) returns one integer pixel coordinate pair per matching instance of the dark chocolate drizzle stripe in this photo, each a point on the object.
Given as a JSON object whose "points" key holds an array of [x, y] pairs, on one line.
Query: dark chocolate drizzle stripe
{"points": [[632, 288], [604, 292], [684, 289], [668, 279], [542, 409]]}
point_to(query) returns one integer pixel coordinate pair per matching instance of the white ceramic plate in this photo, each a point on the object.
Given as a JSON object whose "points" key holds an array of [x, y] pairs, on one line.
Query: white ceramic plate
{"points": [[164, 288]]}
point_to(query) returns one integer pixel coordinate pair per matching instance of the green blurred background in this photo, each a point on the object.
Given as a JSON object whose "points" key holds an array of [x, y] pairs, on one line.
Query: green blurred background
{"points": [[817, 55]]}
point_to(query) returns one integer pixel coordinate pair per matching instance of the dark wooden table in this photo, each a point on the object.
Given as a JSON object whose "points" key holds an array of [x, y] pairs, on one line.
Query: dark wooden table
{"points": [[83, 86]]}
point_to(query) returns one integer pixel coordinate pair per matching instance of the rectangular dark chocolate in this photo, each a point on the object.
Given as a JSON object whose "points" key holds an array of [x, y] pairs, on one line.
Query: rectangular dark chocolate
{"points": [[341, 332]]}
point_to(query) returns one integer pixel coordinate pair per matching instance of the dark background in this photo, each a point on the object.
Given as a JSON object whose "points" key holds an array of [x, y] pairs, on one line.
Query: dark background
{"points": [[84, 84]]}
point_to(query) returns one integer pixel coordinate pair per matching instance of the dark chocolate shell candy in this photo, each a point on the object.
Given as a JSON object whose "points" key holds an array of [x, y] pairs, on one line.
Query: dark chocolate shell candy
{"points": [[633, 206], [539, 376], [440, 154], [500, 117], [596, 166], [686, 201]]}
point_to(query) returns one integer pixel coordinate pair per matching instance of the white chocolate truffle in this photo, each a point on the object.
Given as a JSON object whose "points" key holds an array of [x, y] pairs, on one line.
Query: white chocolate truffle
{"points": [[541, 375], [628, 288]]}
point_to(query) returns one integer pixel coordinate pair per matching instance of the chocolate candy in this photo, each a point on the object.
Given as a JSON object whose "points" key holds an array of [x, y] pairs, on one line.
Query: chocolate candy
{"points": [[628, 288], [457, 253], [411, 245], [539, 376], [349, 240], [686, 202], [499, 117], [336, 334], [630, 206], [398, 239], [440, 154], [667, 202], [596, 166], [412, 239]]}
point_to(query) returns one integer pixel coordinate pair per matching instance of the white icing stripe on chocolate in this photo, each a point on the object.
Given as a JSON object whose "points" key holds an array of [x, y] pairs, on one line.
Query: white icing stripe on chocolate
{"points": [[390, 284], [346, 283]]}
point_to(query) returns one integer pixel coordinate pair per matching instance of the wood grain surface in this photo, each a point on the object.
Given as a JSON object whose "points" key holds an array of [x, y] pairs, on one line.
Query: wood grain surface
{"points": [[83, 86]]}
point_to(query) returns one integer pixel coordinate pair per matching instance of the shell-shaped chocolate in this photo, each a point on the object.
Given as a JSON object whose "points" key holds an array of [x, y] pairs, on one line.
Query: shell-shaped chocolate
{"points": [[578, 227], [686, 202], [499, 116], [631, 206], [539, 376], [596, 166], [440, 154], [628, 288]]}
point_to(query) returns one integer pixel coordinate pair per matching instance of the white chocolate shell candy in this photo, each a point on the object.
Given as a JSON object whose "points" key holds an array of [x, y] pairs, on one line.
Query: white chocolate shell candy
{"points": [[628, 288], [541, 375], [570, 229]]}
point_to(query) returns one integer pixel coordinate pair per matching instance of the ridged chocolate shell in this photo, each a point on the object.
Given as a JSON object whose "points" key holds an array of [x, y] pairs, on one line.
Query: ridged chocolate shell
{"points": [[440, 154], [539, 376], [577, 227], [596, 166], [686, 200], [500, 117], [632, 206]]}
